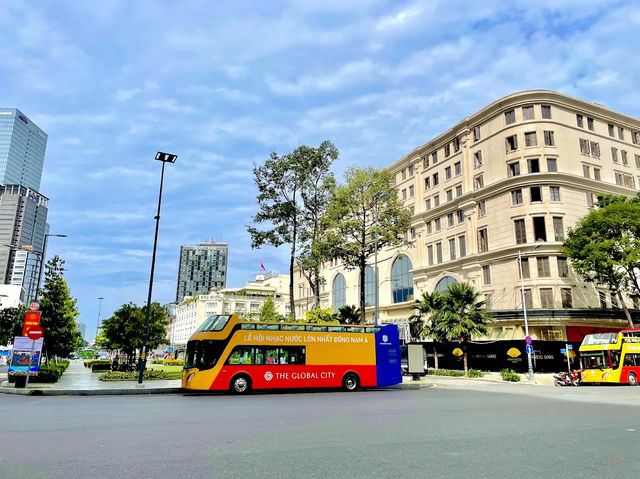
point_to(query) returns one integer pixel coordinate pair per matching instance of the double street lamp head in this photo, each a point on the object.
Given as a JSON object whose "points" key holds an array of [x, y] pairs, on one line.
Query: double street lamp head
{"points": [[166, 157]]}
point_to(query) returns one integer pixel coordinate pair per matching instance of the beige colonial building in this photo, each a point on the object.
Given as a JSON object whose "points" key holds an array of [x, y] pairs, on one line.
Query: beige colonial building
{"points": [[509, 179], [245, 302]]}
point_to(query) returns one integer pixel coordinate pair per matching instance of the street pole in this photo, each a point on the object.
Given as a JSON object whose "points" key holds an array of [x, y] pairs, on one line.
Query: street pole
{"points": [[164, 158], [524, 311], [375, 269], [98, 323]]}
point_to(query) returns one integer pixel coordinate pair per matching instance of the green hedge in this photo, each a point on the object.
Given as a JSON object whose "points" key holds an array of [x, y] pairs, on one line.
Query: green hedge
{"points": [[149, 374], [173, 362], [474, 373], [100, 365], [509, 375], [47, 373], [89, 362], [445, 372]]}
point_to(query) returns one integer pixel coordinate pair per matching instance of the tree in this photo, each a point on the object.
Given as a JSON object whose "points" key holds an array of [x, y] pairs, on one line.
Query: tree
{"points": [[348, 315], [349, 227], [11, 323], [268, 311], [463, 316], [321, 316], [59, 313], [422, 323], [604, 247], [317, 184], [125, 328]]}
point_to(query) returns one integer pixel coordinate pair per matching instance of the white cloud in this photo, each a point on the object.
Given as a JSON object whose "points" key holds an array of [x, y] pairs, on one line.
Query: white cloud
{"points": [[170, 105], [399, 19], [124, 95]]}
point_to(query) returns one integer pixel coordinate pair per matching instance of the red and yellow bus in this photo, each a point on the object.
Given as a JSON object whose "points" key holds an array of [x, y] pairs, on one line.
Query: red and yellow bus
{"points": [[228, 354], [611, 357]]}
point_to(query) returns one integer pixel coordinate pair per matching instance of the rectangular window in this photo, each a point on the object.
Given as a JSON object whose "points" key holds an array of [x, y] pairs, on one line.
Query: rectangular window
{"points": [[586, 171], [483, 240], [439, 252], [579, 121], [413, 233], [546, 298], [563, 267], [510, 117], [450, 220], [477, 159], [558, 228], [476, 133], [530, 139], [621, 133], [539, 229], [488, 299], [456, 144], [430, 254], [462, 246], [436, 200], [427, 183], [614, 154], [436, 179], [623, 154], [434, 157], [546, 112], [595, 149], [584, 146], [460, 215], [635, 137], [452, 249], [410, 171], [526, 273], [447, 173], [486, 274], [536, 193], [596, 174], [516, 197], [438, 224], [614, 300], [404, 194], [482, 208], [590, 200], [458, 191], [590, 123], [425, 162], [527, 112], [554, 193], [411, 191], [543, 267], [511, 143], [449, 194], [427, 204], [429, 226], [404, 174], [603, 299], [618, 178], [528, 298], [478, 182], [521, 233], [549, 139], [457, 168], [534, 165], [513, 169], [447, 150], [611, 130], [637, 158]]}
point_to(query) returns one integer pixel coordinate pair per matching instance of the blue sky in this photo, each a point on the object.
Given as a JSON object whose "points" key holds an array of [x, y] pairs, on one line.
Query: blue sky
{"points": [[222, 84]]}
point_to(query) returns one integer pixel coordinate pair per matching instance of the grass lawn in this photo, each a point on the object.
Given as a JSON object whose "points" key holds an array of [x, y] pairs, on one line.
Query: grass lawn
{"points": [[173, 372]]}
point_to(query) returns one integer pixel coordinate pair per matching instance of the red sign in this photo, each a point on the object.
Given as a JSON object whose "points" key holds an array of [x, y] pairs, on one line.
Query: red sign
{"points": [[31, 319], [35, 333], [528, 340]]}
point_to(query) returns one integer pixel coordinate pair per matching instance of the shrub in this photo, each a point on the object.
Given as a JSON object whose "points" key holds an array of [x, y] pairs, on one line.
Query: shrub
{"points": [[474, 373], [149, 374], [100, 365], [173, 362], [509, 375], [445, 372]]}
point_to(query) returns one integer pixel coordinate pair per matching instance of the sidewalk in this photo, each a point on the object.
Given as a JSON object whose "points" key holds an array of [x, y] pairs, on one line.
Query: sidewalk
{"points": [[540, 379], [80, 381]]}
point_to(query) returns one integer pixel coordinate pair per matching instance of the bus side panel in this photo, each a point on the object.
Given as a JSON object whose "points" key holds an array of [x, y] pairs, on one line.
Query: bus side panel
{"points": [[275, 376], [624, 376], [388, 364]]}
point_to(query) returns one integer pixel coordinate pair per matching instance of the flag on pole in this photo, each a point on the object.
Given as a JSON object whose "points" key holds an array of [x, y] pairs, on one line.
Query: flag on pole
{"points": [[262, 266]]}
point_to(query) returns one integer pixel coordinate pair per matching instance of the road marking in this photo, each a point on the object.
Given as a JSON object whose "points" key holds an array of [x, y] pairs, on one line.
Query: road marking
{"points": [[631, 430]]}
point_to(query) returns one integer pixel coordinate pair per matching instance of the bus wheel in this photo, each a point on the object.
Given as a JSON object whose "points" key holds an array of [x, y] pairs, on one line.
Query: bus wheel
{"points": [[350, 382], [241, 384], [633, 380]]}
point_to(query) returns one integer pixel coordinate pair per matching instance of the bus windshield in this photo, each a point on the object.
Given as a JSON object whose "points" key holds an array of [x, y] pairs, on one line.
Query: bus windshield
{"points": [[215, 322], [600, 359], [203, 354]]}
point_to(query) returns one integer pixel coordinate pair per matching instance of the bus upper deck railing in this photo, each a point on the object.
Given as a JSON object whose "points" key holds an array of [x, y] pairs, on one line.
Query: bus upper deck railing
{"points": [[310, 327]]}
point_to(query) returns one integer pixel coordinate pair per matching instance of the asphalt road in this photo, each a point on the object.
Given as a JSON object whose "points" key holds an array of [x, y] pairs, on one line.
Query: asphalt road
{"points": [[444, 431]]}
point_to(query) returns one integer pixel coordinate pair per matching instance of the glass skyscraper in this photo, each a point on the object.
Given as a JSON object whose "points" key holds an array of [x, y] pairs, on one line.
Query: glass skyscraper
{"points": [[202, 267]]}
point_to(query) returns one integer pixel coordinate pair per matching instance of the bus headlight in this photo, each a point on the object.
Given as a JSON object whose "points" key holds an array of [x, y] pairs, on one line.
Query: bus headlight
{"points": [[190, 377]]}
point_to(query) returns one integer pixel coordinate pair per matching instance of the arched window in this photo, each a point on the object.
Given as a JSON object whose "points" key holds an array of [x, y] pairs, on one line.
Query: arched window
{"points": [[443, 284], [339, 292], [369, 286], [402, 279]]}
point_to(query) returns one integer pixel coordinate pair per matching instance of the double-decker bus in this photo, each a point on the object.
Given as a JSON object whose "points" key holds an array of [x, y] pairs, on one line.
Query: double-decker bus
{"points": [[228, 354], [611, 357]]}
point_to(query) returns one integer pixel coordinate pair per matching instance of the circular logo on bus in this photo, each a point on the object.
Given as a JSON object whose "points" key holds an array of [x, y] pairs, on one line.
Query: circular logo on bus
{"points": [[268, 376]]}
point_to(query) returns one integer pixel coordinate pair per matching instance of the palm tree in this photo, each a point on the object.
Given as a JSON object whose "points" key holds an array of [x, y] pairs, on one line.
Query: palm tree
{"points": [[464, 315], [348, 315], [423, 322]]}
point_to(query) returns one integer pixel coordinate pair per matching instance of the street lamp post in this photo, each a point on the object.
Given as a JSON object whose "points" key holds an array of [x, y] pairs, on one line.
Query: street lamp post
{"points": [[164, 158], [98, 323], [44, 249], [524, 312], [376, 197]]}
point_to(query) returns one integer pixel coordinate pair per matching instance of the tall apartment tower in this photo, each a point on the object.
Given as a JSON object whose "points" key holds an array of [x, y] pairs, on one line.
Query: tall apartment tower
{"points": [[23, 210], [202, 267]]}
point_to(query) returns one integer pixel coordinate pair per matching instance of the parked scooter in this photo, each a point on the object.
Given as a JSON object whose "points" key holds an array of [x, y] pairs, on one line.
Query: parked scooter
{"points": [[569, 378]]}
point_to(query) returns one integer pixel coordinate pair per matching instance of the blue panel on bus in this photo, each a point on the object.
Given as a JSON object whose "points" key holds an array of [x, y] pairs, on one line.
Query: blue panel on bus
{"points": [[388, 365]]}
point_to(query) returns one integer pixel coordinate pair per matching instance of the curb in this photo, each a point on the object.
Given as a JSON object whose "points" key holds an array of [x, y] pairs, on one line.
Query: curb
{"points": [[89, 392]]}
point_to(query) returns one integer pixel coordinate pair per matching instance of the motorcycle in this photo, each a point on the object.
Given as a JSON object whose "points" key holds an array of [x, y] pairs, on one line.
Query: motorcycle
{"points": [[569, 378]]}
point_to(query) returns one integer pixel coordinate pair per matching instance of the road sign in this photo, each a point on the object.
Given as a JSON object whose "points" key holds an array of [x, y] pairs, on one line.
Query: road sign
{"points": [[529, 349], [528, 340], [569, 346], [34, 306], [31, 319], [35, 333], [563, 351]]}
